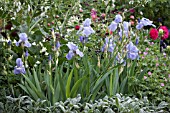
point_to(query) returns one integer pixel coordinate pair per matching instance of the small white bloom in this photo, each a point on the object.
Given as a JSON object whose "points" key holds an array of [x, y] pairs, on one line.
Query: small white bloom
{"points": [[46, 53], [34, 43], [38, 62], [141, 13], [44, 49]]}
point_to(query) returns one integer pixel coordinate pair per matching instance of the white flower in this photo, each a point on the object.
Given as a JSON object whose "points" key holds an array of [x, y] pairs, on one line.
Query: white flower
{"points": [[34, 43], [38, 62], [44, 49]]}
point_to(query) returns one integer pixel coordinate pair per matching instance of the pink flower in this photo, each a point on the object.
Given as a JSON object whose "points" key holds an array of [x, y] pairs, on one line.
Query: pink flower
{"points": [[169, 75], [81, 10], [94, 17], [166, 32], [151, 43], [145, 77], [93, 14], [147, 49], [157, 64], [143, 57], [149, 73], [132, 23], [162, 84], [153, 33], [103, 15], [132, 17], [145, 53]]}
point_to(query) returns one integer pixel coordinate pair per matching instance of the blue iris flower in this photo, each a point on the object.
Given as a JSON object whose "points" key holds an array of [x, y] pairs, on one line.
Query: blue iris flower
{"points": [[126, 26], [57, 45], [73, 51], [108, 45], [50, 57], [87, 29], [124, 32], [113, 26], [144, 22], [19, 68], [118, 18], [83, 39], [26, 53], [137, 40], [132, 51], [23, 39], [87, 23]]}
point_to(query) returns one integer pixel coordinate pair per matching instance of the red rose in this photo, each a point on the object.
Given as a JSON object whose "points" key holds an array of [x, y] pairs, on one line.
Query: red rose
{"points": [[153, 33], [166, 32], [77, 27]]}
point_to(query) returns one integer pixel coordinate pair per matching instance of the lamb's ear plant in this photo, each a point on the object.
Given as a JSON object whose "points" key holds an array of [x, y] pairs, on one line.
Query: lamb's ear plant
{"points": [[117, 103]]}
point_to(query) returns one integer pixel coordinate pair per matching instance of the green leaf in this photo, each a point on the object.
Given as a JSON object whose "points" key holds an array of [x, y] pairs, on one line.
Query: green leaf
{"points": [[24, 88], [101, 79], [62, 87], [68, 84], [123, 86], [37, 83], [76, 86], [115, 81], [132, 68], [31, 92], [32, 86]]}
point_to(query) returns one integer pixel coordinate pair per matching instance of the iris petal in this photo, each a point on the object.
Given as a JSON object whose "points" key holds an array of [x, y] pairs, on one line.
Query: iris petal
{"points": [[78, 52], [70, 55]]}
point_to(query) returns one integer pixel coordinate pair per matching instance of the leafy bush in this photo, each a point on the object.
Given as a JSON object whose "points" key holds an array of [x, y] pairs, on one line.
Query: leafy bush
{"points": [[114, 104]]}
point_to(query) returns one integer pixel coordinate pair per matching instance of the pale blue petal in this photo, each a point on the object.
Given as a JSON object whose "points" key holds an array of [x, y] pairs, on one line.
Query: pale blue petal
{"points": [[126, 26], [88, 31], [72, 46], [19, 70], [27, 44], [58, 45], [17, 43], [26, 53], [87, 22], [111, 48], [118, 18], [103, 47], [132, 56], [78, 52], [23, 37], [19, 62], [113, 26], [139, 26], [70, 55]]}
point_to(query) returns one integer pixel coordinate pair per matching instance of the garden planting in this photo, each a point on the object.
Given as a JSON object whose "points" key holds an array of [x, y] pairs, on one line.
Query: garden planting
{"points": [[84, 56]]}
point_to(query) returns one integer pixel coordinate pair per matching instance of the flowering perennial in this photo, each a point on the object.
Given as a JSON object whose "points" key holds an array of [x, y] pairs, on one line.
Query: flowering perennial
{"points": [[23, 39], [19, 68], [108, 45], [144, 22], [132, 51], [87, 29], [73, 51]]}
